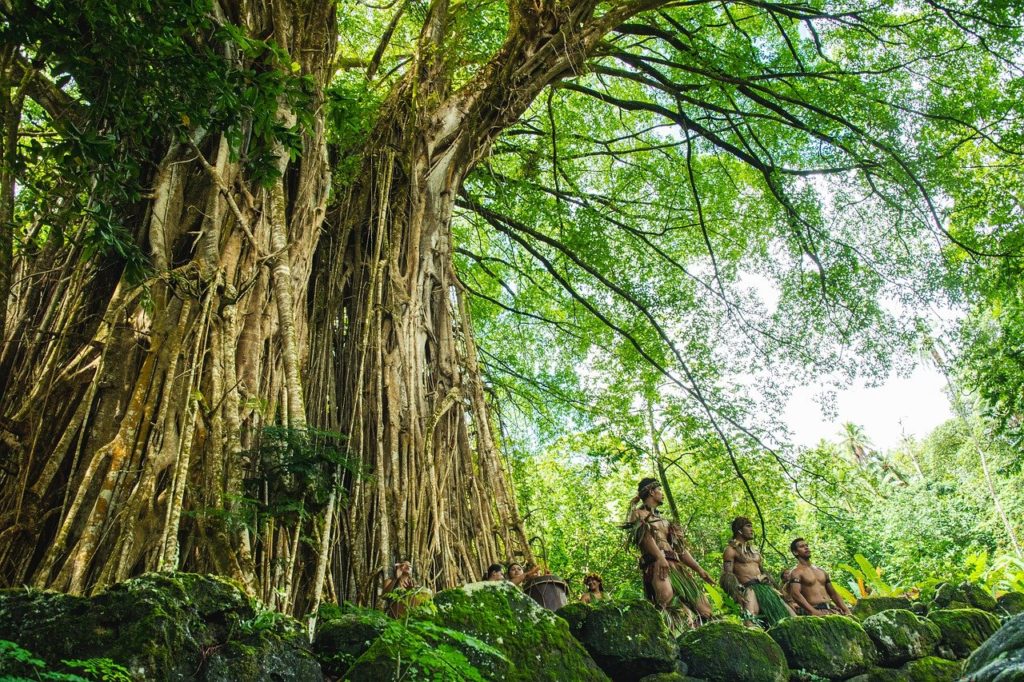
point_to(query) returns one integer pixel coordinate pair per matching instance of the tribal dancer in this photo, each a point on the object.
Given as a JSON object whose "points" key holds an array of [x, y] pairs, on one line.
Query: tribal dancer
{"points": [[743, 578], [666, 583]]}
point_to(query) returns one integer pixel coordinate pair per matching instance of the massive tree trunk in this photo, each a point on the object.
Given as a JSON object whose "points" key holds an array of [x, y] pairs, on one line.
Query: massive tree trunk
{"points": [[134, 417], [128, 410]]}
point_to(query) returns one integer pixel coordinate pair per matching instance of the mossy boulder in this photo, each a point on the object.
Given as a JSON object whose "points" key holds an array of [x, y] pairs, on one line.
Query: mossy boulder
{"points": [[669, 677], [977, 596], [836, 647], [963, 630], [344, 636], [728, 652], [163, 626], [963, 596], [627, 639], [1001, 657], [901, 636], [536, 643], [869, 606], [930, 669], [1010, 604]]}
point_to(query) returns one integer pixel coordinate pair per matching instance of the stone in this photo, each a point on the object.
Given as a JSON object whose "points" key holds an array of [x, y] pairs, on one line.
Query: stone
{"points": [[533, 643], [977, 596], [728, 652], [344, 636], [627, 639], [669, 677], [163, 626], [829, 646], [869, 606], [963, 630], [930, 669], [1001, 657], [1010, 604], [901, 636]]}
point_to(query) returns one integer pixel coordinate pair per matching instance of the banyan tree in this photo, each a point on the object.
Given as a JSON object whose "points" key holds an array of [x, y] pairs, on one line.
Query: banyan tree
{"points": [[236, 336]]}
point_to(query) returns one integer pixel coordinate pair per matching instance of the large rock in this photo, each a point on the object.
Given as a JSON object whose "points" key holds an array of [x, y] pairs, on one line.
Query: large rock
{"points": [[901, 636], [627, 639], [963, 630], [1001, 657], [669, 677], [532, 643], [344, 636], [930, 669], [963, 596], [163, 626], [836, 647], [1010, 604], [729, 652], [869, 606]]}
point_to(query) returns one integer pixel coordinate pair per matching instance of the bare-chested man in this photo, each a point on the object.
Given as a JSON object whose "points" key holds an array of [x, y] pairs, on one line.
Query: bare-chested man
{"points": [[812, 588], [743, 578], [666, 582]]}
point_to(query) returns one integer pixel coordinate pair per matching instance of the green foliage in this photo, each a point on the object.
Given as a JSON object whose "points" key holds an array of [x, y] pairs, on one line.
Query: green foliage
{"points": [[19, 665], [139, 75]]}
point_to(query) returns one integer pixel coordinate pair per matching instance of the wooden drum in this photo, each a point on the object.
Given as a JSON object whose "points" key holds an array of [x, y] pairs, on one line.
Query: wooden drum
{"points": [[549, 591]]}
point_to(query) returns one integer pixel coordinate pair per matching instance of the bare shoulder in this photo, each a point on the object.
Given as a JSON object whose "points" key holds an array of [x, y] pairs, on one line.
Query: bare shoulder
{"points": [[730, 553], [640, 514], [799, 572]]}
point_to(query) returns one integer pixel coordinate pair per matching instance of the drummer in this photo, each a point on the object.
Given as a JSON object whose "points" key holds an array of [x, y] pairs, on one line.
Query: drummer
{"points": [[595, 589], [516, 574]]}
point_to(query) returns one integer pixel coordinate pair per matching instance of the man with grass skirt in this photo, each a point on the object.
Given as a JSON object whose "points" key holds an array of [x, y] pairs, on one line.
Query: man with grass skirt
{"points": [[667, 583], [743, 579]]}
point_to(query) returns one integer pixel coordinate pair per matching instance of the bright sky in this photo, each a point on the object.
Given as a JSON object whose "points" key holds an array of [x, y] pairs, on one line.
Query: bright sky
{"points": [[911, 405]]}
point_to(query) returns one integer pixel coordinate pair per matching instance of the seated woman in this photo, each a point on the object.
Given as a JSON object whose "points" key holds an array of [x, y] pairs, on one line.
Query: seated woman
{"points": [[401, 593], [595, 589]]}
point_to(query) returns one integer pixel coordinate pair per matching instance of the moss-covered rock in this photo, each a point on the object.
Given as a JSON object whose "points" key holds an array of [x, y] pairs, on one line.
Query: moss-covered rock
{"points": [[963, 630], [1010, 604], [166, 626], [901, 636], [930, 669], [536, 643], [1001, 657], [728, 652], [343, 637], [836, 647], [627, 639], [977, 596], [869, 606], [669, 677]]}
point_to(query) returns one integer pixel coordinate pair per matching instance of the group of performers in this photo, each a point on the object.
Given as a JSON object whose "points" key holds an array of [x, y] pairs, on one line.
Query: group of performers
{"points": [[670, 573], [806, 588]]}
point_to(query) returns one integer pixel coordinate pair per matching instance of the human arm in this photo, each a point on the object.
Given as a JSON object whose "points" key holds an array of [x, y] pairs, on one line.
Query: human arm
{"points": [[836, 599], [688, 560]]}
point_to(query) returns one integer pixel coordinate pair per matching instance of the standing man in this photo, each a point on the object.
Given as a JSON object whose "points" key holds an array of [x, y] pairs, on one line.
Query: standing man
{"points": [[812, 588], [666, 582], [743, 578], [595, 588]]}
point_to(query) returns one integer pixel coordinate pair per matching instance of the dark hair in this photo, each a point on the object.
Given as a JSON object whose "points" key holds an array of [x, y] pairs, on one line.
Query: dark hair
{"points": [[739, 522], [514, 563], [493, 568], [645, 486], [593, 576], [792, 545]]}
